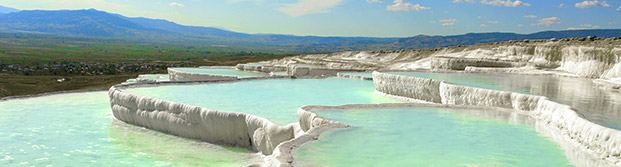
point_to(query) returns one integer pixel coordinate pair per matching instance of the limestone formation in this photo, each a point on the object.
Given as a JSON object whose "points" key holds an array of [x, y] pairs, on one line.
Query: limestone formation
{"points": [[600, 141], [176, 75], [229, 128]]}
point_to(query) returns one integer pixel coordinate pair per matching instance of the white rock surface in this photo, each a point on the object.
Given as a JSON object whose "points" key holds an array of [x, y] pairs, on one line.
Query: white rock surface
{"points": [[591, 59], [599, 141], [221, 127], [176, 75]]}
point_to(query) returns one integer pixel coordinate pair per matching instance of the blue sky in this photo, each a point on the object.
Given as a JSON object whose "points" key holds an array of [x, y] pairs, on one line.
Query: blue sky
{"points": [[379, 18]]}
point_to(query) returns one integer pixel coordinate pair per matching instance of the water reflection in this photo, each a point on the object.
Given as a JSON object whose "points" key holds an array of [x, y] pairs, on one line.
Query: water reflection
{"points": [[276, 99], [577, 156], [453, 137], [598, 105]]}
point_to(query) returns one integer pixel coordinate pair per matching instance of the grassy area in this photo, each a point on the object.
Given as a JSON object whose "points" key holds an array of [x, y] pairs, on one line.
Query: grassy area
{"points": [[18, 85], [31, 63]]}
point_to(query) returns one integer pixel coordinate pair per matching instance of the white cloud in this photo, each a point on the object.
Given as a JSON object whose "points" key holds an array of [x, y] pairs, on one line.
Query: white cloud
{"points": [[611, 23], [574, 28], [400, 6], [592, 4], [561, 6], [520, 25], [584, 27], [374, 1], [481, 17], [549, 21], [507, 3], [448, 22], [235, 1], [483, 25], [175, 4], [619, 9], [304, 7], [458, 1], [492, 22], [530, 16]]}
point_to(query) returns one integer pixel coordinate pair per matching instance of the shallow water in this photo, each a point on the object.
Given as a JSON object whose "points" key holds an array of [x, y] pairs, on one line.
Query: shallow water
{"points": [[600, 106], [277, 100], [76, 130], [158, 77], [427, 137], [222, 72]]}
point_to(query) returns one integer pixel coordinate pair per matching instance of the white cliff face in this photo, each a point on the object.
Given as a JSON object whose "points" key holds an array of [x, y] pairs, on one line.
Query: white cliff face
{"points": [[591, 58], [150, 78], [311, 126], [615, 71], [361, 60], [238, 129], [176, 75], [605, 143], [597, 140], [462, 95], [589, 62], [411, 87]]}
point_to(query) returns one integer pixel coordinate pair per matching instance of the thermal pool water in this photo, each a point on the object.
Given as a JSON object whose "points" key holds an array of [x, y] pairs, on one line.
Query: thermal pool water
{"points": [[78, 129], [598, 105], [427, 137], [275, 99]]}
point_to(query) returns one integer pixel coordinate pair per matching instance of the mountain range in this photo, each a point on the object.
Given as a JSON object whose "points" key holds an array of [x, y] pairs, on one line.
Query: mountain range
{"points": [[4, 9], [423, 41], [95, 23]]}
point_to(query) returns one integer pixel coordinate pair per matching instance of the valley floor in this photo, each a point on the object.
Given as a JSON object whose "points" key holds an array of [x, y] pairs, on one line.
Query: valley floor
{"points": [[20, 85]]}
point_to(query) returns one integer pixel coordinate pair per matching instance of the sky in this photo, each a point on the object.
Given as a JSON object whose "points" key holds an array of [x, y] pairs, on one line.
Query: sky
{"points": [[373, 18]]}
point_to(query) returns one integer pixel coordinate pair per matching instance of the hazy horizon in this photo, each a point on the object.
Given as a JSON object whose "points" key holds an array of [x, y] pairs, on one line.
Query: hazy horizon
{"points": [[370, 18]]}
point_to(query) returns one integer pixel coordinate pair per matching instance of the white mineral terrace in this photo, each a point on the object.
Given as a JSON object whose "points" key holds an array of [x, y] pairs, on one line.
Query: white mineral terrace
{"points": [[602, 142], [600, 60], [277, 141]]}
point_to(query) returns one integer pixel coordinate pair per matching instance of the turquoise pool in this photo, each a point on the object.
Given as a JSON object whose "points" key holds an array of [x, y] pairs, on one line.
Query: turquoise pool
{"points": [[222, 72], [427, 137], [77, 129], [600, 106], [277, 100]]}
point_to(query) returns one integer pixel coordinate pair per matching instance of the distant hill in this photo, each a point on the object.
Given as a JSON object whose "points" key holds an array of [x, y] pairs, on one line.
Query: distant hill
{"points": [[4, 9], [423, 41], [270, 39], [73, 22], [103, 24], [94, 23], [191, 30]]}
